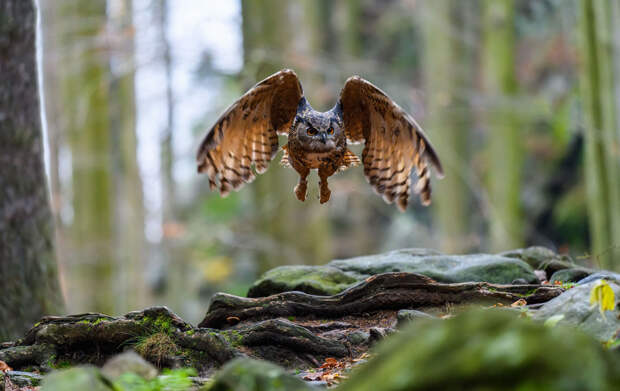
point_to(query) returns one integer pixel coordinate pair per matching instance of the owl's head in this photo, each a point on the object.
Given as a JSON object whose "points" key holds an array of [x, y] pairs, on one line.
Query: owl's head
{"points": [[316, 131]]}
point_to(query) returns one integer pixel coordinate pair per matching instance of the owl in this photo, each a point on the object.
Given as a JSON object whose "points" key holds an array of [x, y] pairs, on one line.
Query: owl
{"points": [[245, 139]]}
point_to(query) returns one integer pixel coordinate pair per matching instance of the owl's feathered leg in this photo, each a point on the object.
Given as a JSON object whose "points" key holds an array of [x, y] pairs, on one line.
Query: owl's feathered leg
{"points": [[324, 173], [302, 186]]}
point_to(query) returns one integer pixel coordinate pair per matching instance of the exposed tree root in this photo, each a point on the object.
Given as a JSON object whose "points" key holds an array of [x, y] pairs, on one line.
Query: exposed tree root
{"points": [[380, 292]]}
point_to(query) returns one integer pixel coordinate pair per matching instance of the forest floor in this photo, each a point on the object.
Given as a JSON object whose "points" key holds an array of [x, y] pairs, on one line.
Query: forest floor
{"points": [[298, 322]]}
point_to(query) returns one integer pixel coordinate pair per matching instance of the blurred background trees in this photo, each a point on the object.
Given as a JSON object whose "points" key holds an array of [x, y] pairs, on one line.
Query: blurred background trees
{"points": [[505, 89]]}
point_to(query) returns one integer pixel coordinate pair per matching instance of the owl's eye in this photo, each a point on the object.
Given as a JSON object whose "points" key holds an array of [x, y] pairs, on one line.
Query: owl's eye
{"points": [[330, 131], [312, 132]]}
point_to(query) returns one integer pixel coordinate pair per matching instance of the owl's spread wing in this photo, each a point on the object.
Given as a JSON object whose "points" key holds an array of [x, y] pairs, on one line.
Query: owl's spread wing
{"points": [[247, 132], [394, 143]]}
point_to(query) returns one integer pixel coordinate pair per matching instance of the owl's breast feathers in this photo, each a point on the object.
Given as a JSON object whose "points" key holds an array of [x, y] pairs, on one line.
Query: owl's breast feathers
{"points": [[339, 159]]}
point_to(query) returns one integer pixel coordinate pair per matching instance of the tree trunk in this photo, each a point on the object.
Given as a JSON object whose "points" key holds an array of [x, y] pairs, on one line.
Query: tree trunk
{"points": [[130, 245], [269, 31], [27, 265], [448, 71], [83, 73], [505, 150], [599, 31]]}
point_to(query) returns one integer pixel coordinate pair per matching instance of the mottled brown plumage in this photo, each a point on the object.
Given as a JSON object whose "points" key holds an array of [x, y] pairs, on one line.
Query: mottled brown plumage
{"points": [[246, 135]]}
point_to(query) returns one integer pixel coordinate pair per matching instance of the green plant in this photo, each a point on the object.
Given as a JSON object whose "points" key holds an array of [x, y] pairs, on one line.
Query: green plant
{"points": [[169, 380], [156, 347]]}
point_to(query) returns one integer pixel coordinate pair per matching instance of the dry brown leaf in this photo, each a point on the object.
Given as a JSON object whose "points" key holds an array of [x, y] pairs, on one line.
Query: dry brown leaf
{"points": [[4, 367], [519, 303]]}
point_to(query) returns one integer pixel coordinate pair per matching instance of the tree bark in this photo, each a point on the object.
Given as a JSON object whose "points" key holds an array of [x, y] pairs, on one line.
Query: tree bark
{"points": [[27, 265], [270, 32], [449, 73], [128, 201], [82, 71], [598, 32], [505, 150]]}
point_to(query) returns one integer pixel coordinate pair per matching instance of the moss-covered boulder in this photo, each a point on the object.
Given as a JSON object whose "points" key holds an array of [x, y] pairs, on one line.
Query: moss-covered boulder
{"points": [[318, 280], [575, 274], [340, 274], [443, 268], [487, 350], [245, 374], [573, 308], [78, 378]]}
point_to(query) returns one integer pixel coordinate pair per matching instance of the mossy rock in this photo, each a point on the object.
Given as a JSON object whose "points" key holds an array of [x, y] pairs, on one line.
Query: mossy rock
{"points": [[316, 280], [570, 275], [245, 374], [338, 275], [487, 350], [77, 378], [575, 309], [541, 258], [442, 268]]}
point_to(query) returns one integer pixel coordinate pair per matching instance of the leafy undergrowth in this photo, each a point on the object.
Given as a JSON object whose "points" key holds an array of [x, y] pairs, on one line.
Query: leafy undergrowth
{"points": [[169, 380]]}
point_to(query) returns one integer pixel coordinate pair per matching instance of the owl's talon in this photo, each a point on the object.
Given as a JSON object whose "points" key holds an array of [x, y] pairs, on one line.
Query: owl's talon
{"points": [[300, 191]]}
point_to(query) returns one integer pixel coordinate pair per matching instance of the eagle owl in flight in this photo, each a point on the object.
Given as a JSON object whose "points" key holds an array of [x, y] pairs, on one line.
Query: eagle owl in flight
{"points": [[247, 134]]}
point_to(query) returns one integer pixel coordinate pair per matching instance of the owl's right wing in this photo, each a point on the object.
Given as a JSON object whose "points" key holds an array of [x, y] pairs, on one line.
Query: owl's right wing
{"points": [[247, 133], [395, 143]]}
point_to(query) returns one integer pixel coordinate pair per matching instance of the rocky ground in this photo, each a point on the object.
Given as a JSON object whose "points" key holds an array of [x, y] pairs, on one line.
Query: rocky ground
{"points": [[318, 322]]}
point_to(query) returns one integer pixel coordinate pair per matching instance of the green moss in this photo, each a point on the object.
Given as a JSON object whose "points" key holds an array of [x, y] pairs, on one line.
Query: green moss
{"points": [[161, 324], [232, 337], [62, 364], [156, 347], [190, 332]]}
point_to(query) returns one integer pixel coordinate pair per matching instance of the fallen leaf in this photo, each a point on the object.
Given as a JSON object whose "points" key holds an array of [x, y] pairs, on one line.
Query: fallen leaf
{"points": [[602, 294], [519, 303], [4, 367], [232, 320]]}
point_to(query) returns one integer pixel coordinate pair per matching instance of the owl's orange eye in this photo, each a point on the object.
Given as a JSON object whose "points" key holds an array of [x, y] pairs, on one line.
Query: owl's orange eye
{"points": [[330, 131], [312, 132]]}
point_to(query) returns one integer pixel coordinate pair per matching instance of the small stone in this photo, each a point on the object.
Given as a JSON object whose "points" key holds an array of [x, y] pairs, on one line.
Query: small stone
{"points": [[570, 275], [358, 337], [129, 361], [86, 378], [24, 379], [541, 274], [249, 374], [405, 316], [575, 309]]}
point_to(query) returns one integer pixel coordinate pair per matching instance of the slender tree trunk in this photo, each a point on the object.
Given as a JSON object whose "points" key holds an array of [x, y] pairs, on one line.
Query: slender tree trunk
{"points": [[599, 44], [449, 74], [268, 31], [505, 150], [128, 202], [83, 74], [27, 265]]}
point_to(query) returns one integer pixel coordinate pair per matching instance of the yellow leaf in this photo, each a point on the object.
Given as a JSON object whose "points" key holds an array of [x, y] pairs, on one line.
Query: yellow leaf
{"points": [[603, 295]]}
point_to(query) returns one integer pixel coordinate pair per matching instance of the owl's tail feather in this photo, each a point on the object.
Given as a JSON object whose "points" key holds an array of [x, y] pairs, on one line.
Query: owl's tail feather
{"points": [[284, 162], [349, 160]]}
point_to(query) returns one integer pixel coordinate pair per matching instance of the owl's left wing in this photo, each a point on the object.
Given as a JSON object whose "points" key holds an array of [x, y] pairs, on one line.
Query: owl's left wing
{"points": [[394, 143], [247, 133]]}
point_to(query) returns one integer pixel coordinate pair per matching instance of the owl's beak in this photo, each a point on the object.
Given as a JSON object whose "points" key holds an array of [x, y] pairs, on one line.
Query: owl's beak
{"points": [[323, 137]]}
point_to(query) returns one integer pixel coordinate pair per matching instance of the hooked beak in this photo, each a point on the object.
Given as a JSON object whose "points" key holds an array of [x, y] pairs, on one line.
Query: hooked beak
{"points": [[323, 137]]}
